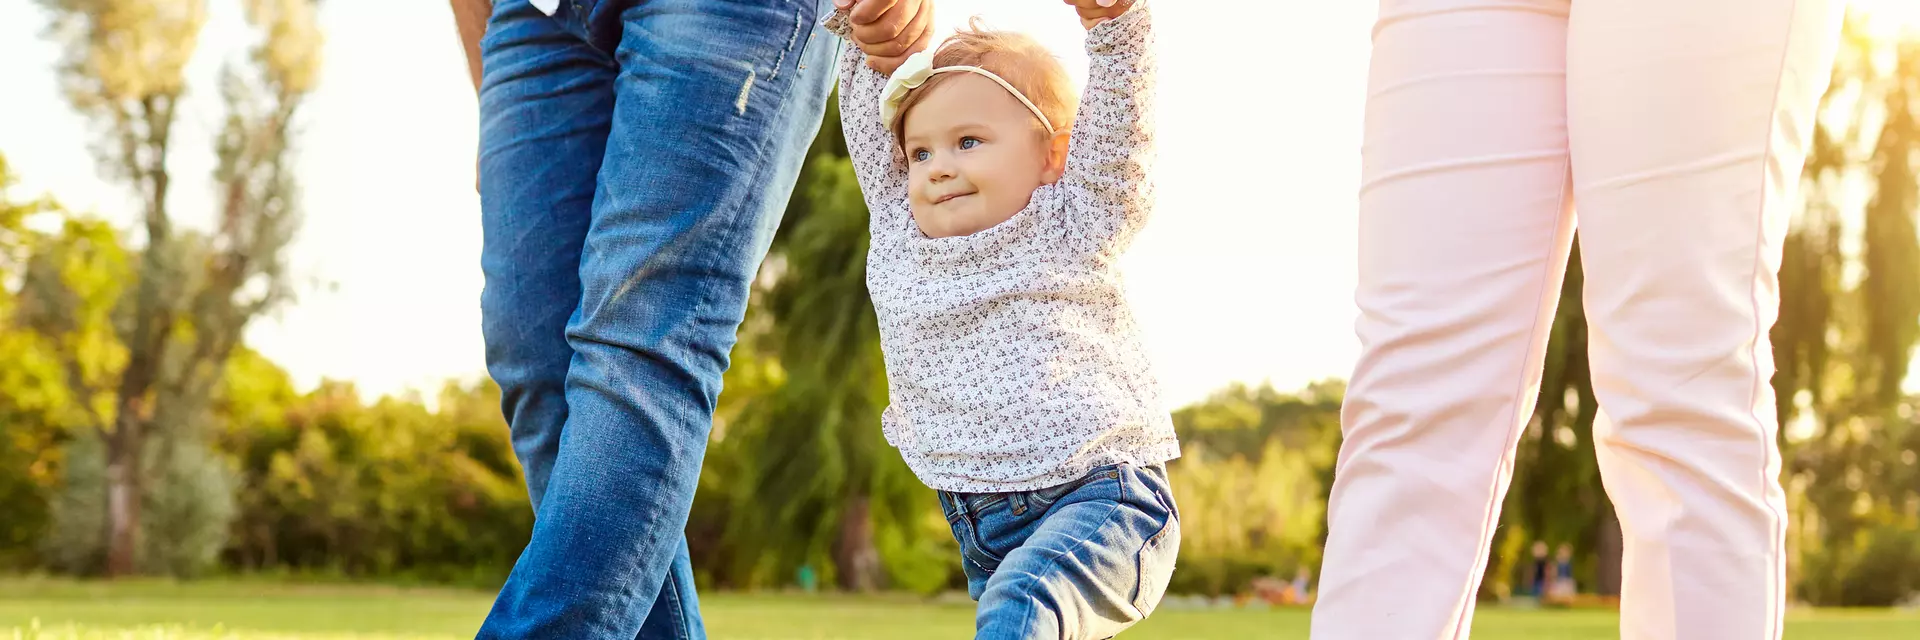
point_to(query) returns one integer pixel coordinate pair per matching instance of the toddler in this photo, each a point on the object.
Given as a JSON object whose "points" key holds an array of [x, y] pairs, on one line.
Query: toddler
{"points": [[1019, 387]]}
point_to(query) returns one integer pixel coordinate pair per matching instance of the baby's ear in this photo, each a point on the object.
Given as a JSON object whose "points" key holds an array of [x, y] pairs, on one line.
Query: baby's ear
{"points": [[1057, 157]]}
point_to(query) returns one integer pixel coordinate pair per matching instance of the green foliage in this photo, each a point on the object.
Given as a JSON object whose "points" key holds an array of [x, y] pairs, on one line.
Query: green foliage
{"points": [[247, 472], [1878, 567], [256, 475], [1848, 328], [1251, 484], [34, 402], [191, 293], [77, 540], [803, 474], [65, 323], [188, 510], [388, 489]]}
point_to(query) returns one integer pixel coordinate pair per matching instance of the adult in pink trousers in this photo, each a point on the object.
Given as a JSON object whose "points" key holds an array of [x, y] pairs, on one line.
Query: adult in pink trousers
{"points": [[1676, 129]]}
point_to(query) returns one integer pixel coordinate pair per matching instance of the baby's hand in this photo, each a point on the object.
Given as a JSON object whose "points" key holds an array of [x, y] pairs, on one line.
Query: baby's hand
{"points": [[1094, 12]]}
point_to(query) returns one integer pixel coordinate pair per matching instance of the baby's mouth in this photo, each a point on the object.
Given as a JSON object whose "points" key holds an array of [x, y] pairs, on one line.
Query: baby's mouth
{"points": [[950, 196]]}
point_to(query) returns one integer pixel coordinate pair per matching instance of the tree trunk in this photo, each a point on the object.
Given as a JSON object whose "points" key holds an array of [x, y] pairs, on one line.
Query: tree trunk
{"points": [[147, 346], [125, 473], [123, 499], [855, 557], [1612, 546]]}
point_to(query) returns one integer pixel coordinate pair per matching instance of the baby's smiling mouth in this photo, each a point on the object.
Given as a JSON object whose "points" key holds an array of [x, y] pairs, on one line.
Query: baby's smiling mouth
{"points": [[950, 196]]}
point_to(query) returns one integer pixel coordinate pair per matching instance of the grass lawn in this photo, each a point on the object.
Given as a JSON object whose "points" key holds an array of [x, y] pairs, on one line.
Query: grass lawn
{"points": [[251, 610]]}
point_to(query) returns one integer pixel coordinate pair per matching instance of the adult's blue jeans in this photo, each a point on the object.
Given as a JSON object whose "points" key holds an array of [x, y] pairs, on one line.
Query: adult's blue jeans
{"points": [[635, 157]]}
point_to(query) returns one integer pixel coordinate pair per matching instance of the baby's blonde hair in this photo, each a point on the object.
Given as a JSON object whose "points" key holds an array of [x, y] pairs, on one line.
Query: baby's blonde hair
{"points": [[1016, 57]]}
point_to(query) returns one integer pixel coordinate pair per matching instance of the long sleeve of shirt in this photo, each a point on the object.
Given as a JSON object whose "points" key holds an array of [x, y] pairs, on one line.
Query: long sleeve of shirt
{"points": [[877, 162], [1014, 361], [1108, 182]]}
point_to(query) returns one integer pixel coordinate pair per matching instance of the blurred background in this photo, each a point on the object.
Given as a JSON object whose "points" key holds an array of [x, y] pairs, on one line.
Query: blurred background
{"points": [[241, 377]]}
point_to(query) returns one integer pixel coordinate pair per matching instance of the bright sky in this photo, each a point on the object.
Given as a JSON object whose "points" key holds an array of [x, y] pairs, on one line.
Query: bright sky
{"points": [[1245, 274]]}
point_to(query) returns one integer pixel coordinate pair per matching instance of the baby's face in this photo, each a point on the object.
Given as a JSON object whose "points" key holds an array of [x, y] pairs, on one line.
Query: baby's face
{"points": [[975, 154]]}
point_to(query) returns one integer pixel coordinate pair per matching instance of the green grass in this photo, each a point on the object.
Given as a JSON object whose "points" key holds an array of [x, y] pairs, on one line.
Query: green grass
{"points": [[260, 610]]}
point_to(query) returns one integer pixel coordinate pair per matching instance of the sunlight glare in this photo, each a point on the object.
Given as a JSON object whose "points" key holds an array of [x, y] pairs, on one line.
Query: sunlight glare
{"points": [[1891, 17]]}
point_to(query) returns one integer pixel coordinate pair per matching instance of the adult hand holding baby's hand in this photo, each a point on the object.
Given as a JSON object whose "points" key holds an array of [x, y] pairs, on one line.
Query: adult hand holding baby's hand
{"points": [[1094, 12], [889, 30]]}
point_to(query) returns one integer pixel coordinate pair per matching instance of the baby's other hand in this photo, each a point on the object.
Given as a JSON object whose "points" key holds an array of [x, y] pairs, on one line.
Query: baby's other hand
{"points": [[1094, 12]]}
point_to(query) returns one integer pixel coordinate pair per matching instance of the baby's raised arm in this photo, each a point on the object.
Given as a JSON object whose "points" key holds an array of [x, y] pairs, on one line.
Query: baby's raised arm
{"points": [[1109, 162], [880, 166]]}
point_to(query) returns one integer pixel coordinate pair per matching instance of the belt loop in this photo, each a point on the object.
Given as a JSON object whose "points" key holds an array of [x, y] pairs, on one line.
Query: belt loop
{"points": [[1018, 501]]}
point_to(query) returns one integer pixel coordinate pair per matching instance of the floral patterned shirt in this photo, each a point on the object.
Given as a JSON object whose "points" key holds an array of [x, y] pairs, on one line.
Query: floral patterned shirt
{"points": [[1013, 360]]}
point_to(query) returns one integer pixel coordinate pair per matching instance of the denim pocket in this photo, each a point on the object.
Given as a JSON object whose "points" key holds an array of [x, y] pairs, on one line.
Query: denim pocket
{"points": [[578, 18], [966, 531], [1157, 557], [815, 31]]}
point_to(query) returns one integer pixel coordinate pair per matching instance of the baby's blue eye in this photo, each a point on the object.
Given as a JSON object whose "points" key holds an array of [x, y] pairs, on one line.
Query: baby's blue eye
{"points": [[921, 155], [969, 142]]}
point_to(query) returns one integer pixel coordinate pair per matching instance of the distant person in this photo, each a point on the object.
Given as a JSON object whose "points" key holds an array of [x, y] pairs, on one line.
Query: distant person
{"points": [[635, 158], [808, 579], [1563, 586], [1302, 587], [1019, 386], [1677, 130], [1537, 579]]}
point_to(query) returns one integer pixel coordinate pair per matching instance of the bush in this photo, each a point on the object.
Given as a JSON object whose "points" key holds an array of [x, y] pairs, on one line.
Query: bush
{"points": [[390, 490], [77, 542], [1881, 568], [187, 513], [1224, 575], [186, 508]]}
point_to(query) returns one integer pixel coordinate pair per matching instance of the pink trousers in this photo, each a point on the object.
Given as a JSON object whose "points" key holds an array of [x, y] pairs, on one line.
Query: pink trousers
{"points": [[1676, 129]]}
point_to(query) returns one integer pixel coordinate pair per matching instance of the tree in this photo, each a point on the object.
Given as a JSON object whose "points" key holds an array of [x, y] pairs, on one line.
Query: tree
{"points": [[192, 293], [34, 402], [1851, 275], [822, 486], [1251, 484]]}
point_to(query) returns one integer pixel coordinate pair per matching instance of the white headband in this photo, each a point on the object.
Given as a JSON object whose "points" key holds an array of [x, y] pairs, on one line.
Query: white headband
{"points": [[919, 67]]}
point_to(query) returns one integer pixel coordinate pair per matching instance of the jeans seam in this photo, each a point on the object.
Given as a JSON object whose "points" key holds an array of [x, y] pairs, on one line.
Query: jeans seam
{"points": [[980, 543], [1053, 560], [963, 516], [989, 501], [1026, 624], [1152, 542], [1109, 472], [679, 610]]}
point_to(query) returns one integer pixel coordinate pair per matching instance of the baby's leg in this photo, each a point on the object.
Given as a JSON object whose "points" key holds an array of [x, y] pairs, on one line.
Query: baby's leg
{"points": [[1097, 563]]}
